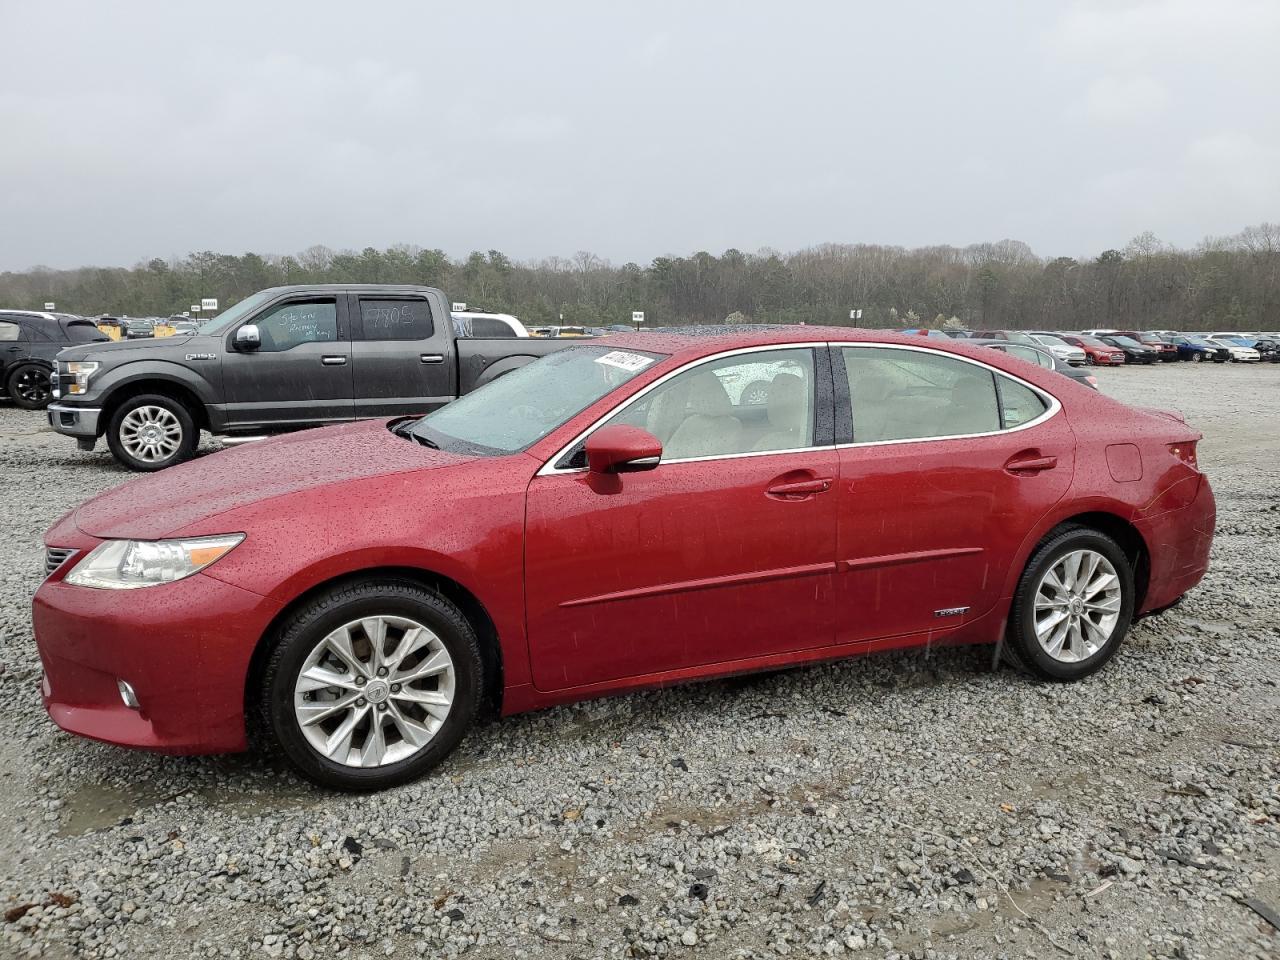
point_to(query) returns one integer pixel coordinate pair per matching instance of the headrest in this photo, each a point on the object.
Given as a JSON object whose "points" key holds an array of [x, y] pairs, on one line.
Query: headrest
{"points": [[707, 396], [786, 401]]}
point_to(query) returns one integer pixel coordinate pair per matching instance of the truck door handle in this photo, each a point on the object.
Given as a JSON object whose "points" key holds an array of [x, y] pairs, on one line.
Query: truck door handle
{"points": [[801, 488], [333, 361], [1021, 464], [431, 357]]}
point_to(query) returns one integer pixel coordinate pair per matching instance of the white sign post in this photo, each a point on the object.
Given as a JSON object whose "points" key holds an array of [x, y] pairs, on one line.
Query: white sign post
{"points": [[855, 314], [195, 308], [208, 303], [637, 316], [48, 305], [458, 308]]}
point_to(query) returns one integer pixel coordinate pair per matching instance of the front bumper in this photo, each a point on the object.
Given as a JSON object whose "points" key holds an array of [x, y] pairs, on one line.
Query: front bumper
{"points": [[184, 648], [80, 422]]}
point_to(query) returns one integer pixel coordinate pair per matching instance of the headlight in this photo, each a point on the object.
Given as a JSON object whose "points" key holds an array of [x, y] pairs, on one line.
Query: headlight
{"points": [[82, 370], [126, 564]]}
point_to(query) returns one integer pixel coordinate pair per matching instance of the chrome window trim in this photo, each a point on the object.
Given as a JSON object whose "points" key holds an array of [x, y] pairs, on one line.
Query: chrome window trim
{"points": [[1053, 404], [549, 469]]}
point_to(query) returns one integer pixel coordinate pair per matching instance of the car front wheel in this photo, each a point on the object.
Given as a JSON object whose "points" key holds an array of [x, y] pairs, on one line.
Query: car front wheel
{"points": [[152, 432], [371, 684], [1073, 606]]}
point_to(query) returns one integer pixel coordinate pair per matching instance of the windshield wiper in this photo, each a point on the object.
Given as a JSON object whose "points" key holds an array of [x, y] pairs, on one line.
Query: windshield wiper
{"points": [[405, 429]]}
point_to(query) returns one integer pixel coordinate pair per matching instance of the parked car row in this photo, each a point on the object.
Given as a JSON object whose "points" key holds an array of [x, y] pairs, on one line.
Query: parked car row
{"points": [[1106, 347]]}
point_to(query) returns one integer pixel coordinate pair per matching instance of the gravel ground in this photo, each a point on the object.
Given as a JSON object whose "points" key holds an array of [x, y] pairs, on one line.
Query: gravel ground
{"points": [[913, 805]]}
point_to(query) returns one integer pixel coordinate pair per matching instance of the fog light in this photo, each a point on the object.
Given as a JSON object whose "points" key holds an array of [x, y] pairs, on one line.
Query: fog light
{"points": [[127, 695]]}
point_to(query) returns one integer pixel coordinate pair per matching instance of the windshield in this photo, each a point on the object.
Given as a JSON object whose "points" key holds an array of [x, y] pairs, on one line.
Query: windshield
{"points": [[232, 314], [1126, 342], [1049, 341], [525, 405], [1015, 337], [1092, 341]]}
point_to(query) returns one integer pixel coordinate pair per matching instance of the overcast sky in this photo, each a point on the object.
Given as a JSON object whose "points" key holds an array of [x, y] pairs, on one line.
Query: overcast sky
{"points": [[132, 130]]}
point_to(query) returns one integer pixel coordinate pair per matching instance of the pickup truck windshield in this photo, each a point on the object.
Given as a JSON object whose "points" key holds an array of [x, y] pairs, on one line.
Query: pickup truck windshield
{"points": [[526, 404], [232, 314]]}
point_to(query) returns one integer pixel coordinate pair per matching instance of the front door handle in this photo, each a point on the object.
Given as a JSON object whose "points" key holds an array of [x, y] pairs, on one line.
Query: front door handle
{"points": [[800, 488], [333, 361], [1021, 464], [431, 357]]}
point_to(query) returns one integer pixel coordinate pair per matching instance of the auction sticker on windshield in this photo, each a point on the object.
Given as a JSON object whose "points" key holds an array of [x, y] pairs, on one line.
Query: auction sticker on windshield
{"points": [[631, 362]]}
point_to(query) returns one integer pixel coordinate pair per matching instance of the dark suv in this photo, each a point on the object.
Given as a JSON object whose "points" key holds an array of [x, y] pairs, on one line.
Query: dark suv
{"points": [[29, 341]]}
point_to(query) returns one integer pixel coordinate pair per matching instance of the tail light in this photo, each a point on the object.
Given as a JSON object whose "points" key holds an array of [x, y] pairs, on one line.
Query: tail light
{"points": [[1185, 450]]}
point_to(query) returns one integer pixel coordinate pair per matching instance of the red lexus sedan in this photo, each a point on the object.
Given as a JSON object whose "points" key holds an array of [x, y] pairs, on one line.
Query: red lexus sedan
{"points": [[624, 513]]}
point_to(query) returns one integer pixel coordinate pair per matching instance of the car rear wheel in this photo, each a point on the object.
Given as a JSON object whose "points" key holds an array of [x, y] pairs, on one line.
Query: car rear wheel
{"points": [[1073, 606], [371, 684], [29, 386], [152, 432]]}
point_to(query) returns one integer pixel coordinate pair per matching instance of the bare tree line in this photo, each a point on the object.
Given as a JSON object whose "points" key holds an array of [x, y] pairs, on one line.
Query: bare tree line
{"points": [[1225, 282]]}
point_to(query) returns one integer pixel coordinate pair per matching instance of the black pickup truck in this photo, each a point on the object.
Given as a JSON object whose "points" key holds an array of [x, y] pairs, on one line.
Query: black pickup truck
{"points": [[283, 359]]}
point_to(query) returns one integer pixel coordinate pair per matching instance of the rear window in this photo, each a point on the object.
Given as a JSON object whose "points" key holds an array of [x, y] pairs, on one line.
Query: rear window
{"points": [[82, 331]]}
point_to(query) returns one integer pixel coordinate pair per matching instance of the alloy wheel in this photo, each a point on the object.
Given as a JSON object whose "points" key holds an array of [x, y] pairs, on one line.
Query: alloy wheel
{"points": [[151, 433], [375, 691], [32, 385], [1077, 606]]}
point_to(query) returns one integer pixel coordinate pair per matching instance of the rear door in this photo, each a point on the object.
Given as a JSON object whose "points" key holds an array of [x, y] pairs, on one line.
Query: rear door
{"points": [[13, 345], [300, 374], [402, 355], [949, 465]]}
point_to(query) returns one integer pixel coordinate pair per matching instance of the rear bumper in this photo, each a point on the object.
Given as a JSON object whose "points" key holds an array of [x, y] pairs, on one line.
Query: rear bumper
{"points": [[74, 421], [184, 648], [1180, 542]]}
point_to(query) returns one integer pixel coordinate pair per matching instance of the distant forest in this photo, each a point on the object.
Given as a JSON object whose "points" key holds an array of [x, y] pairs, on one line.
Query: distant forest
{"points": [[1224, 283]]}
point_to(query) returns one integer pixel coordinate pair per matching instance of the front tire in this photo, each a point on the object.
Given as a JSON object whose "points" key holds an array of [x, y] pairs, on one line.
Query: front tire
{"points": [[151, 432], [1196, 357], [1073, 606], [29, 386], [371, 684]]}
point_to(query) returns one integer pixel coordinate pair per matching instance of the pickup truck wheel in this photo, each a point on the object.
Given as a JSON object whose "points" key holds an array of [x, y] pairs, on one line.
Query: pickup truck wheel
{"points": [[29, 386], [371, 684], [151, 432]]}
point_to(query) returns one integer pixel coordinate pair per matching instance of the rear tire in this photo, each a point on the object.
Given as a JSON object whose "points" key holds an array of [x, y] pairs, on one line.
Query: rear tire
{"points": [[1069, 618], [360, 719], [150, 432], [29, 386]]}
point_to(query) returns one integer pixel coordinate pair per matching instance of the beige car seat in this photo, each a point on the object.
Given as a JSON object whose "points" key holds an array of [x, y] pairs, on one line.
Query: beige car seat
{"points": [[788, 414], [709, 427]]}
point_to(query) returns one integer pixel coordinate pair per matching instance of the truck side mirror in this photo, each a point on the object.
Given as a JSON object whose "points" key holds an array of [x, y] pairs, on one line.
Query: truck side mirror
{"points": [[248, 338]]}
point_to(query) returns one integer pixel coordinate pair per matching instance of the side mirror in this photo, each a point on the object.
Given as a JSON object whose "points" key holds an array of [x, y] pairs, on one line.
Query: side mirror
{"points": [[248, 338], [620, 449]]}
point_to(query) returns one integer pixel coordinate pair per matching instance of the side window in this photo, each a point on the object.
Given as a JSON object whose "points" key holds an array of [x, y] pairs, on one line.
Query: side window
{"points": [[1018, 404], [913, 394], [10, 332], [293, 324], [749, 403], [490, 327], [403, 319]]}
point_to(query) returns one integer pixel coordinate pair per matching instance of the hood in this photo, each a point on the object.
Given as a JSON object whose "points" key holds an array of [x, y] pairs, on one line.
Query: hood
{"points": [[159, 504], [99, 348]]}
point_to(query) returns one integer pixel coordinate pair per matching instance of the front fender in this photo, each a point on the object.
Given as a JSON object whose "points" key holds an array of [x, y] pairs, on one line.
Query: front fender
{"points": [[167, 371]]}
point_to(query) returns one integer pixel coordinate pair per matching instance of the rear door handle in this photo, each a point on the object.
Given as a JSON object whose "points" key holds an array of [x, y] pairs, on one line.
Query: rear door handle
{"points": [[801, 488], [1031, 464], [332, 361], [431, 357]]}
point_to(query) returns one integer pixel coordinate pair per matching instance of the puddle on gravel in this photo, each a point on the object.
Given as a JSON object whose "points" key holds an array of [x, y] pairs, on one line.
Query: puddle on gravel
{"points": [[99, 806]]}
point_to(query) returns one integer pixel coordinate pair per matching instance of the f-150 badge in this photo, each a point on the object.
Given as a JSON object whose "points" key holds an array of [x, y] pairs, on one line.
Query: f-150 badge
{"points": [[202, 356]]}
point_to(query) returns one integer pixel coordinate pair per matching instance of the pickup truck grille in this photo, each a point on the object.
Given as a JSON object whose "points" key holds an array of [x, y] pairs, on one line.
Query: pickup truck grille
{"points": [[54, 557]]}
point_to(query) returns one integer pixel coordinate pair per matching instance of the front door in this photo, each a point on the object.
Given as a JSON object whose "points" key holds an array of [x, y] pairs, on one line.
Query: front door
{"points": [[300, 375], [723, 553], [951, 463], [402, 355]]}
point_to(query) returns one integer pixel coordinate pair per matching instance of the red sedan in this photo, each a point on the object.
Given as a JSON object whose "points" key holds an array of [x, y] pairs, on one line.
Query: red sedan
{"points": [[1096, 352], [629, 512]]}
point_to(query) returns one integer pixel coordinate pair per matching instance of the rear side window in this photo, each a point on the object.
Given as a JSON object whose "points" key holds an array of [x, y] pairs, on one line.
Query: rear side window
{"points": [[9, 332], [1018, 404], [913, 395], [406, 319], [293, 324]]}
